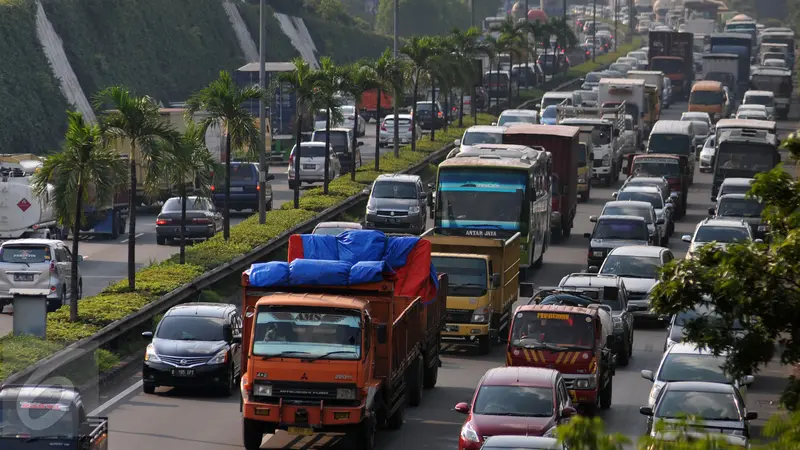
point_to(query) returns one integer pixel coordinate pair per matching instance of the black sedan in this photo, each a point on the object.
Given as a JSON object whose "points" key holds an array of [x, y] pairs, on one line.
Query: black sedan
{"points": [[202, 220], [195, 345]]}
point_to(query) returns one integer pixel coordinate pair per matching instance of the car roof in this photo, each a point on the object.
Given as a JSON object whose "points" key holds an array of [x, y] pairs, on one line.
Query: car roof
{"points": [[672, 126], [634, 203], [615, 217], [399, 116], [32, 241], [520, 376], [696, 114], [699, 386], [61, 395], [738, 181], [736, 197], [768, 93], [486, 129], [520, 112], [520, 442], [397, 177], [690, 348], [200, 309], [590, 279], [732, 223], [585, 121], [638, 250], [643, 180], [350, 225], [641, 188]]}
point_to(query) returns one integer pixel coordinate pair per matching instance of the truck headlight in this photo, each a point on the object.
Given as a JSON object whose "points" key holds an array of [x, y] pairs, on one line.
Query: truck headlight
{"points": [[617, 323], [606, 160], [345, 394], [263, 390], [582, 384], [219, 358], [150, 354], [481, 315]]}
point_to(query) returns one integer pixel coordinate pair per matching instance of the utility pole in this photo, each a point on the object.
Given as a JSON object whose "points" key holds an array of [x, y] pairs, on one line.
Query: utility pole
{"points": [[396, 18], [594, 30], [262, 118], [397, 95], [471, 13], [616, 14]]}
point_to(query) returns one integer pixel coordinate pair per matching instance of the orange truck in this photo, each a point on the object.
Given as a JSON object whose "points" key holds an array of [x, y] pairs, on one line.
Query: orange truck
{"points": [[369, 105], [328, 349], [575, 340]]}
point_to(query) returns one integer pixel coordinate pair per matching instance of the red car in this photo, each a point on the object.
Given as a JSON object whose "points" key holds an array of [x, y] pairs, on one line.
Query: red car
{"points": [[522, 401]]}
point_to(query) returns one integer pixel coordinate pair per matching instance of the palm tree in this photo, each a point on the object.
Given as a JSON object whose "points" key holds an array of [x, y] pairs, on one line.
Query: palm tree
{"points": [[223, 104], [86, 164], [488, 47], [565, 37], [443, 70], [419, 51], [388, 74], [465, 46], [329, 81], [138, 121], [301, 83], [536, 31], [186, 157], [512, 41], [357, 79]]}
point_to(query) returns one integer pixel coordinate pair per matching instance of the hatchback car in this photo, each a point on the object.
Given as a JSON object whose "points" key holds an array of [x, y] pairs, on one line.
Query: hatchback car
{"points": [[592, 80], [342, 146], [37, 267], [638, 266], [335, 228], [688, 362], [527, 401], [611, 232], [707, 155], [478, 134], [656, 226], [312, 164], [662, 202], [195, 345], [430, 116], [741, 207], [397, 203], [720, 231], [522, 443], [714, 405], [510, 116], [203, 220], [244, 187], [404, 133]]}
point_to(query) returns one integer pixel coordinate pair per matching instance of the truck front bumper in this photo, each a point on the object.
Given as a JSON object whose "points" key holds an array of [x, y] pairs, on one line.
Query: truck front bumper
{"points": [[464, 331], [599, 172], [305, 419]]}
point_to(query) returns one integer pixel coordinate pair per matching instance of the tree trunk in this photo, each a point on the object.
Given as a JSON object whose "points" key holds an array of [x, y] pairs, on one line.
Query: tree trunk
{"points": [[226, 210], [461, 109], [434, 116], [183, 224], [378, 133], [413, 120], [132, 226], [327, 165], [298, 140], [474, 110], [76, 237], [447, 110], [355, 147], [510, 84], [397, 129]]}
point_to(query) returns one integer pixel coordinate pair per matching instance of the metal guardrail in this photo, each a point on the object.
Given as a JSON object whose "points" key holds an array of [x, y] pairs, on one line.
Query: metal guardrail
{"points": [[75, 351]]}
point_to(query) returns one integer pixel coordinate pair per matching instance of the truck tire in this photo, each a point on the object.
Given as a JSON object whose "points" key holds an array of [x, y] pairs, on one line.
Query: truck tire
{"points": [[605, 395], [415, 384], [484, 345], [431, 376], [623, 357], [395, 421], [252, 434], [365, 434], [568, 228]]}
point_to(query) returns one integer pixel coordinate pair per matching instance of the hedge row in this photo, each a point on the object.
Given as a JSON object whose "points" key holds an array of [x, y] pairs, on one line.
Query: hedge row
{"points": [[604, 60], [116, 302]]}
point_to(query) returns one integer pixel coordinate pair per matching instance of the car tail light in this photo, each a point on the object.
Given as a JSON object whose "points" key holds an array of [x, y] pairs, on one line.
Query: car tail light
{"points": [[383, 127], [213, 188], [52, 267], [440, 114], [201, 220], [410, 128], [258, 187], [291, 160], [163, 221]]}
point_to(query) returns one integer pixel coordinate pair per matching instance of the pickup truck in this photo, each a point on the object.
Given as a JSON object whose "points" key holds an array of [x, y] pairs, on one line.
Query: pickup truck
{"points": [[42, 417]]}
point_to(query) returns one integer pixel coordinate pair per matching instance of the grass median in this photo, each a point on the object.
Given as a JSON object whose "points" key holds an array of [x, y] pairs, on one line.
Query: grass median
{"points": [[116, 302]]}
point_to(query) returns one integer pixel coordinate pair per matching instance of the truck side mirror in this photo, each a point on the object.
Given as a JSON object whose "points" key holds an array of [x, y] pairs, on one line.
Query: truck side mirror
{"points": [[497, 281], [380, 333], [711, 211]]}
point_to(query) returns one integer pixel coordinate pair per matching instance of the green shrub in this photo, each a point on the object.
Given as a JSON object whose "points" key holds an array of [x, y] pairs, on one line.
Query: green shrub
{"points": [[103, 309], [213, 253], [105, 360], [366, 176], [252, 234], [19, 352], [68, 332], [159, 279]]}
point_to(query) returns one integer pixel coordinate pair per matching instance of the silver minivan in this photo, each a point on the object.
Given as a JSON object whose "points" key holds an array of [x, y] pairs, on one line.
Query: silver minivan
{"points": [[312, 164], [37, 267], [397, 204]]}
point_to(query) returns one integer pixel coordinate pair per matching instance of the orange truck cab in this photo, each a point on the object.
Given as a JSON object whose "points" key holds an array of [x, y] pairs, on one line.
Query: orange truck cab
{"points": [[341, 338], [708, 96], [575, 340]]}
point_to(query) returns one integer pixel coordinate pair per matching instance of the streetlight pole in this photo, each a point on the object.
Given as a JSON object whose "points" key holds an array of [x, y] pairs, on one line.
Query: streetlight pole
{"points": [[616, 14], [262, 117], [396, 18], [527, 45], [396, 96], [471, 13], [594, 30]]}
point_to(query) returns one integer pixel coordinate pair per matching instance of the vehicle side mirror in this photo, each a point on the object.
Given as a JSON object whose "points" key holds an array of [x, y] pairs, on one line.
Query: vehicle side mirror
{"points": [[582, 80], [79, 258], [647, 375], [646, 411], [237, 339], [526, 290], [147, 334], [593, 219], [593, 269], [360, 143], [423, 195], [660, 221], [759, 241], [430, 186], [712, 211], [587, 235], [686, 238], [494, 124], [430, 199], [380, 333], [497, 281], [614, 195], [462, 407], [227, 333], [751, 415], [748, 380], [568, 411], [457, 142]]}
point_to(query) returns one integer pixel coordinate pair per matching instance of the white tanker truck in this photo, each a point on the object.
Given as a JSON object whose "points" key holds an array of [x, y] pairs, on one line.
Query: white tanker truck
{"points": [[22, 213]]}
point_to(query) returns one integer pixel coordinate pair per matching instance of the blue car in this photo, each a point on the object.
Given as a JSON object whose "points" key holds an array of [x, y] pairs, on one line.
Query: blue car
{"points": [[549, 115], [244, 187]]}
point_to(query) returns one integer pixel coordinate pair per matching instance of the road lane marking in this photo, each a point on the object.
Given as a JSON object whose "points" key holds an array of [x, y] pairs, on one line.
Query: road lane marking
{"points": [[136, 236], [116, 399]]}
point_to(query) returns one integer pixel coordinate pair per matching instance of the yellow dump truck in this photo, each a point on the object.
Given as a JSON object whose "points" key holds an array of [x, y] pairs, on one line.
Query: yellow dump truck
{"points": [[484, 284]]}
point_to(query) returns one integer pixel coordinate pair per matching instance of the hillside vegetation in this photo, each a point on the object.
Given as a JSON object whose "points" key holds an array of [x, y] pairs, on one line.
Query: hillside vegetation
{"points": [[163, 49]]}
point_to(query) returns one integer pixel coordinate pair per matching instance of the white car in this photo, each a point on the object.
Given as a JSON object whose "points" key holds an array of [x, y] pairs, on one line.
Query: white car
{"points": [[641, 56], [765, 98], [720, 231], [687, 362], [478, 134], [386, 137], [753, 115], [335, 228], [349, 114], [510, 116], [777, 63], [631, 61], [698, 117], [707, 155], [752, 108], [312, 164]]}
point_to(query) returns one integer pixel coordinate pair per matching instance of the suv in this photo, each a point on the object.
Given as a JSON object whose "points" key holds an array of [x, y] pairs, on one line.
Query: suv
{"points": [[655, 225], [397, 203], [667, 201], [312, 164], [609, 290], [720, 231], [342, 146], [37, 267], [611, 232], [733, 186], [427, 120], [244, 187]]}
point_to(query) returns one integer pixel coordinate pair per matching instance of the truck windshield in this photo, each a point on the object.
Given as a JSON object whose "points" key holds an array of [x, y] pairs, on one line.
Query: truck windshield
{"points": [[542, 328], [671, 144], [740, 156], [667, 65], [467, 277], [662, 167], [311, 332], [485, 198], [779, 84], [723, 77], [33, 419], [476, 137], [706, 98], [728, 48]]}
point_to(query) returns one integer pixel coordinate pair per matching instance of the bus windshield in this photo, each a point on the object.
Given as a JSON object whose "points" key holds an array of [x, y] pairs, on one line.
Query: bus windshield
{"points": [[541, 329], [481, 198], [730, 48]]}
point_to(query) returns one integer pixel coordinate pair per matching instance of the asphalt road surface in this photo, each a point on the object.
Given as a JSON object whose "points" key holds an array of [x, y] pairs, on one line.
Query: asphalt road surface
{"points": [[185, 420]]}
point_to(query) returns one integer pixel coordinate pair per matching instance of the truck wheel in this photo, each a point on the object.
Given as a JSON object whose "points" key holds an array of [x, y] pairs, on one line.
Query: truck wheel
{"points": [[484, 345], [567, 229], [252, 434], [431, 376], [623, 357], [149, 388], [230, 388], [365, 435], [395, 421], [415, 384], [605, 395]]}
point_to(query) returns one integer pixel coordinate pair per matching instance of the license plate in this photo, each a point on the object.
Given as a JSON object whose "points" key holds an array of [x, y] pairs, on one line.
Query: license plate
{"points": [[298, 431], [391, 220], [309, 166], [451, 328], [237, 189], [23, 277], [183, 372]]}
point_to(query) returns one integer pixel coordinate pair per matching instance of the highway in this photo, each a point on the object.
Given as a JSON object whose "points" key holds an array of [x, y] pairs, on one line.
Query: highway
{"points": [[185, 420]]}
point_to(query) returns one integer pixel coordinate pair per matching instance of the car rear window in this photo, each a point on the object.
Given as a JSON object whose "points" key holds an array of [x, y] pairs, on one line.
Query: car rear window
{"points": [[243, 172], [313, 151], [338, 138], [24, 254]]}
